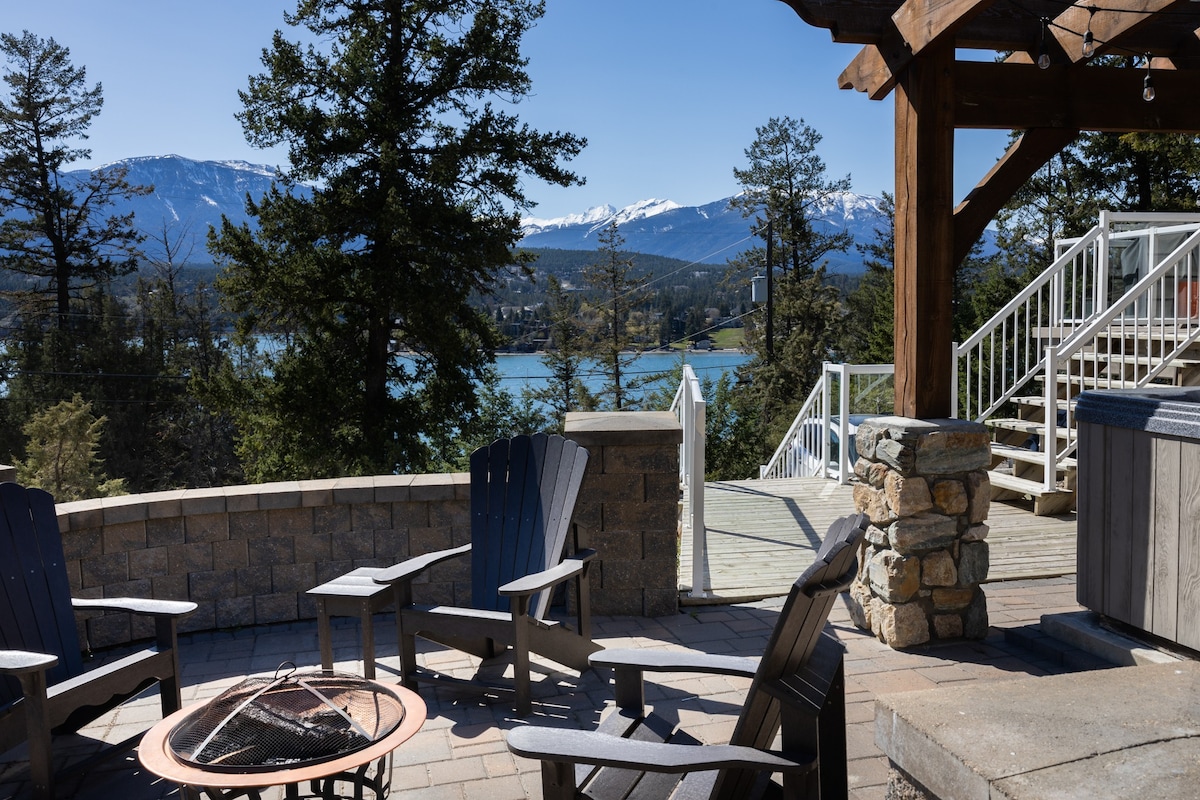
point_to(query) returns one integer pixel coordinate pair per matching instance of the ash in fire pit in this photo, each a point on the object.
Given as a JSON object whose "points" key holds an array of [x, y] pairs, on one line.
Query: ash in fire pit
{"points": [[291, 719]]}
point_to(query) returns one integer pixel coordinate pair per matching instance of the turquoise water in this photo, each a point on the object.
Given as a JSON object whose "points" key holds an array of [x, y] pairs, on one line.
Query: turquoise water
{"points": [[520, 370]]}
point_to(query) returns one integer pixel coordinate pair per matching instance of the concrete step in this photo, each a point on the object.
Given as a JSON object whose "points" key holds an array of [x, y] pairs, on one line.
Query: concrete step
{"points": [[1054, 651]]}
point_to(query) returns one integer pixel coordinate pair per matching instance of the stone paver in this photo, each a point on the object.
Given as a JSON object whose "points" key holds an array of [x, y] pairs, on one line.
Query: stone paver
{"points": [[460, 752]]}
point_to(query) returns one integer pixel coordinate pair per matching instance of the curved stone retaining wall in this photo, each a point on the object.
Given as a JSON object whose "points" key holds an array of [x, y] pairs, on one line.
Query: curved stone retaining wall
{"points": [[247, 554]]}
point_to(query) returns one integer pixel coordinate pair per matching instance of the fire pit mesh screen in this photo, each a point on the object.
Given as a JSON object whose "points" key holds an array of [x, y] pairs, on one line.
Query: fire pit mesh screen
{"points": [[287, 720]]}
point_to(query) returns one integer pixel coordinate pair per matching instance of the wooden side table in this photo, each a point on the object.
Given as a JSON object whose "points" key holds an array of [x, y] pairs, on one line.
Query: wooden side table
{"points": [[355, 594]]}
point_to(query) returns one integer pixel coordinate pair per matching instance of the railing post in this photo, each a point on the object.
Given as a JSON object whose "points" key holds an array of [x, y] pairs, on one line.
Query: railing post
{"points": [[843, 423], [825, 419], [696, 495], [954, 380], [1050, 424]]}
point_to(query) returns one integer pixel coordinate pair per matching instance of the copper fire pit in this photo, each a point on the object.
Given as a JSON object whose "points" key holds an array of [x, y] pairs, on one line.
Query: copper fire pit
{"points": [[323, 729]]}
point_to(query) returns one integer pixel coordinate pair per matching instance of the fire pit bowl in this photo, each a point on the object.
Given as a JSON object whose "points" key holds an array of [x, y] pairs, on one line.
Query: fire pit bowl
{"points": [[289, 720], [323, 728]]}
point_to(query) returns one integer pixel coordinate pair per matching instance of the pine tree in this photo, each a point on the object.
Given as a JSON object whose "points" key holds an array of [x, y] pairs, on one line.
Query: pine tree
{"points": [[54, 228], [618, 291], [417, 194], [565, 356]]}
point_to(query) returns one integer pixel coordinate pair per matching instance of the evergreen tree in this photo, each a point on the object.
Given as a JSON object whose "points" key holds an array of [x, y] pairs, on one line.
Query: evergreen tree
{"points": [[565, 356], [869, 333], [54, 228], [416, 202], [63, 459], [612, 278], [783, 187]]}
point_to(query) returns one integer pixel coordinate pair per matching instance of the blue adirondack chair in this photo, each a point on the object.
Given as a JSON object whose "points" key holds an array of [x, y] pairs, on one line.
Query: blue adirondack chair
{"points": [[45, 688], [798, 689], [523, 493]]}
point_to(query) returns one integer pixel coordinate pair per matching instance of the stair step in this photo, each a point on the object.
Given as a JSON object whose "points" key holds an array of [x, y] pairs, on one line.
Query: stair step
{"points": [[1029, 426], [1142, 361], [1029, 456], [1055, 651], [1039, 401], [1002, 480], [1045, 503]]}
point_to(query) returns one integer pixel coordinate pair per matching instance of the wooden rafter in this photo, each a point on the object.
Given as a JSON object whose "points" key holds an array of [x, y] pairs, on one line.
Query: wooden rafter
{"points": [[1024, 157], [910, 51], [1021, 96], [1110, 22], [916, 25]]}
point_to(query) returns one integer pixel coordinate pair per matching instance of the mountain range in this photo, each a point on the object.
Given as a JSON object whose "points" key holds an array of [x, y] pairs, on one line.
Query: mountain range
{"points": [[189, 196]]}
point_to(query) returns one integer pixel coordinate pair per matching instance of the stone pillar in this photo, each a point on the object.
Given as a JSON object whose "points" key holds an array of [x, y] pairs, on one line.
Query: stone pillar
{"points": [[628, 509], [926, 491]]}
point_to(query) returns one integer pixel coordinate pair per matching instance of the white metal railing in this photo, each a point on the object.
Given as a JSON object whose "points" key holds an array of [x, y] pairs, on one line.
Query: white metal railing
{"points": [[689, 408], [1129, 345], [1118, 285], [813, 445]]}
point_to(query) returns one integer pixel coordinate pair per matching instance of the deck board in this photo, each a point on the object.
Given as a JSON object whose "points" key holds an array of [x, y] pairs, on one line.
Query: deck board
{"points": [[763, 533]]}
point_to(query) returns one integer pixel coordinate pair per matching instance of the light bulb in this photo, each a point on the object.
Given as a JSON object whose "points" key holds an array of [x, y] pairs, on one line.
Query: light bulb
{"points": [[1089, 45], [1148, 88], [1044, 61]]}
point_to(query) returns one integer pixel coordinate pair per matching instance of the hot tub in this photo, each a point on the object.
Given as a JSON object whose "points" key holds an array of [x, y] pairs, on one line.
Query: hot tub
{"points": [[1139, 509]]}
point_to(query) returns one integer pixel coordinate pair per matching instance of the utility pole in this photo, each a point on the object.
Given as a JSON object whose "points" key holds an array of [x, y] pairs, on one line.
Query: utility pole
{"points": [[770, 295]]}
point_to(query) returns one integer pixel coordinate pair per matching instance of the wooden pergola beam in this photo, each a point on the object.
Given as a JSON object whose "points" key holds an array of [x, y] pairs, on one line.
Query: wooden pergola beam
{"points": [[924, 231], [1108, 26], [1022, 96], [1024, 157], [916, 25]]}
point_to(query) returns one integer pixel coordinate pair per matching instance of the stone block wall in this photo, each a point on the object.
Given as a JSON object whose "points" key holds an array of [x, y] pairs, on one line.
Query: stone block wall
{"points": [[628, 509], [925, 488], [248, 554]]}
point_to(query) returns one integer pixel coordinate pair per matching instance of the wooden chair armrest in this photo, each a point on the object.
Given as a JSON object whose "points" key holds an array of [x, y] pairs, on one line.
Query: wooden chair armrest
{"points": [[532, 584], [588, 747], [136, 605], [408, 569], [18, 662], [668, 661]]}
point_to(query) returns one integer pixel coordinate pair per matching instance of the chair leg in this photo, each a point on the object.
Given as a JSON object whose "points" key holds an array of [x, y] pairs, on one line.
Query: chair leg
{"points": [[366, 625], [37, 728], [521, 622], [324, 635]]}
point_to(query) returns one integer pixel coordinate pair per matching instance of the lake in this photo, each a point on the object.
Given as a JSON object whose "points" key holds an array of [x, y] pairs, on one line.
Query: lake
{"points": [[519, 370]]}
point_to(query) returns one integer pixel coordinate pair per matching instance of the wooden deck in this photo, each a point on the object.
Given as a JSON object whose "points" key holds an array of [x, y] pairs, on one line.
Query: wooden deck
{"points": [[762, 534]]}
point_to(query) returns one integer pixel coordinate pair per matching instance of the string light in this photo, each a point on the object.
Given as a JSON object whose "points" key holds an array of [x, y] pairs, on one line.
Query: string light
{"points": [[1089, 39], [1043, 61], [1148, 83]]}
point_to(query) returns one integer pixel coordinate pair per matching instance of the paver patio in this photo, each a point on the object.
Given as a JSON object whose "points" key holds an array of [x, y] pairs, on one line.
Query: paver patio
{"points": [[460, 752]]}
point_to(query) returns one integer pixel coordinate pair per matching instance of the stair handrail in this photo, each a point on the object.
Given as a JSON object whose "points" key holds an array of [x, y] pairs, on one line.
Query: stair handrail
{"points": [[1010, 313], [787, 460], [777, 467], [1148, 293]]}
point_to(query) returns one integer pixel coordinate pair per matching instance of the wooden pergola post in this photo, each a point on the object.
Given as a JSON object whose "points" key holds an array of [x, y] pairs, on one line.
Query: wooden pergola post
{"points": [[924, 258]]}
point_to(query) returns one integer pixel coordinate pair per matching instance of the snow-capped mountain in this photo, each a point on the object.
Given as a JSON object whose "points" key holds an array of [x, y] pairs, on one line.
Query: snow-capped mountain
{"points": [[711, 233], [189, 196]]}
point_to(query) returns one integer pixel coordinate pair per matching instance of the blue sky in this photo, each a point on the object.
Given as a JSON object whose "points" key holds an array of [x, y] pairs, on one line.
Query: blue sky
{"points": [[668, 92]]}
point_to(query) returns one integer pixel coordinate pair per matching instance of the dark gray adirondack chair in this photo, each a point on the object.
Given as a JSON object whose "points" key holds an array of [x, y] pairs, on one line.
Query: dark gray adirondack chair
{"points": [[798, 690], [44, 688], [523, 493]]}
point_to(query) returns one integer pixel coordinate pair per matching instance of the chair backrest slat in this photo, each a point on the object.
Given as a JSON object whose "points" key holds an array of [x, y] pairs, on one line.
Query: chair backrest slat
{"points": [[521, 489], [795, 636], [37, 612]]}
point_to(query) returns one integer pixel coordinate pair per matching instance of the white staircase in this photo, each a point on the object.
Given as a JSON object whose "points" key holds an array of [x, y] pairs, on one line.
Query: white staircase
{"points": [[1119, 308]]}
